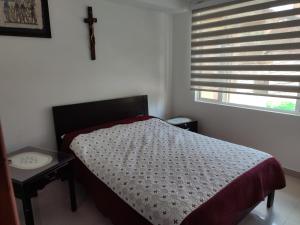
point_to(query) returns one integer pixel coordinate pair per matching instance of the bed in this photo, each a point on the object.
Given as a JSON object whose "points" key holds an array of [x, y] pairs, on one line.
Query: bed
{"points": [[140, 170]]}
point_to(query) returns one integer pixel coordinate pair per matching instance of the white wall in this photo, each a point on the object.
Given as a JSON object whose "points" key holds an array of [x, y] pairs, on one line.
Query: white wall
{"points": [[133, 47], [170, 6], [274, 133]]}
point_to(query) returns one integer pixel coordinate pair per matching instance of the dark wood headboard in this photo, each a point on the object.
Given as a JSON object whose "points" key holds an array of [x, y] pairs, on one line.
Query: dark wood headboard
{"points": [[69, 118]]}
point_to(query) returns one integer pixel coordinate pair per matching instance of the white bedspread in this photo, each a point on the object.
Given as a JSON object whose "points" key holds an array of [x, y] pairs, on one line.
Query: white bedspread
{"points": [[162, 171]]}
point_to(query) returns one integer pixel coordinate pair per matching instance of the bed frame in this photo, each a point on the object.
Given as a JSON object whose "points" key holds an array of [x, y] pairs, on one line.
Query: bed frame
{"points": [[73, 117]]}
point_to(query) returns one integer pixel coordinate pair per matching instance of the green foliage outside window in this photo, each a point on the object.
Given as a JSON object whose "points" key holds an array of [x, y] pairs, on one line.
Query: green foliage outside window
{"points": [[287, 106]]}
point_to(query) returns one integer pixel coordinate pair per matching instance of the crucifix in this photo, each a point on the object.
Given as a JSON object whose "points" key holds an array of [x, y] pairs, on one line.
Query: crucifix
{"points": [[90, 21]]}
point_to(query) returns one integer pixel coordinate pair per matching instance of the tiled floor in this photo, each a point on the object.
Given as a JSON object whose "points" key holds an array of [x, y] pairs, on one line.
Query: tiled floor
{"points": [[286, 210], [52, 208]]}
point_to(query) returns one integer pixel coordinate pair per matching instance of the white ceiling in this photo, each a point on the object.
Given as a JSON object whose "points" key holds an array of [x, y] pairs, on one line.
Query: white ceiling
{"points": [[171, 6]]}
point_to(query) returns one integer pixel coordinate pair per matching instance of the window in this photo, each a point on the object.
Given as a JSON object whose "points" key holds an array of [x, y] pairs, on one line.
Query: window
{"points": [[247, 52], [259, 102]]}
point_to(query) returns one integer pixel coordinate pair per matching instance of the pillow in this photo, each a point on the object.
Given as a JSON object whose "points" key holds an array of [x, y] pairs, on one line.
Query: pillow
{"points": [[68, 138]]}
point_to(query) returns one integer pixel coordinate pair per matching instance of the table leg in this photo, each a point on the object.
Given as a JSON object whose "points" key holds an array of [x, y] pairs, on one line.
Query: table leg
{"points": [[28, 213], [72, 190]]}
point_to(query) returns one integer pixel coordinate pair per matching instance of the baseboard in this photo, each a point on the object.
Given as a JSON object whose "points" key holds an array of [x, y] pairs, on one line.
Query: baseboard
{"points": [[292, 173]]}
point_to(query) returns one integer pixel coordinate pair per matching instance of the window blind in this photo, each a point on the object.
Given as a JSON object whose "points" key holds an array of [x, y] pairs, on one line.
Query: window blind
{"points": [[247, 47]]}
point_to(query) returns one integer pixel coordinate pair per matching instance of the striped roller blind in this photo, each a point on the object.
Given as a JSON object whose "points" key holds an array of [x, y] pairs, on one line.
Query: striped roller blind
{"points": [[247, 47]]}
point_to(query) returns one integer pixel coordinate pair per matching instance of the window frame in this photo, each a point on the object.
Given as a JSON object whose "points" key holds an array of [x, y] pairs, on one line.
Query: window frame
{"points": [[220, 101], [297, 111]]}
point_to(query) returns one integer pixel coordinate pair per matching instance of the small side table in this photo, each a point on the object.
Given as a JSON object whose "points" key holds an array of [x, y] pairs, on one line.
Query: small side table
{"points": [[27, 182], [184, 123]]}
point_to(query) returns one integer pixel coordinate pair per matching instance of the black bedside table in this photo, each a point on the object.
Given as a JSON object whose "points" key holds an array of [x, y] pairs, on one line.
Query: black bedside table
{"points": [[27, 182], [186, 123]]}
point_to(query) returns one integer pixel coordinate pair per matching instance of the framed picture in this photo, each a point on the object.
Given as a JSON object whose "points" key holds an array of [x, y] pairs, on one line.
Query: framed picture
{"points": [[29, 18]]}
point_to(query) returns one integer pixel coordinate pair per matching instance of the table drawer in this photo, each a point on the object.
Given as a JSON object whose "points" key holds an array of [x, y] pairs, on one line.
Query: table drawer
{"points": [[191, 126], [48, 177]]}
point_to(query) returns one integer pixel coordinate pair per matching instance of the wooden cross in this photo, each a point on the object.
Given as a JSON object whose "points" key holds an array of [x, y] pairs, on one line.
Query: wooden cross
{"points": [[90, 21]]}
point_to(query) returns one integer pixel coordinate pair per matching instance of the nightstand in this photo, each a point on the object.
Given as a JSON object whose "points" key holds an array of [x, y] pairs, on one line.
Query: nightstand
{"points": [[184, 123], [32, 169]]}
